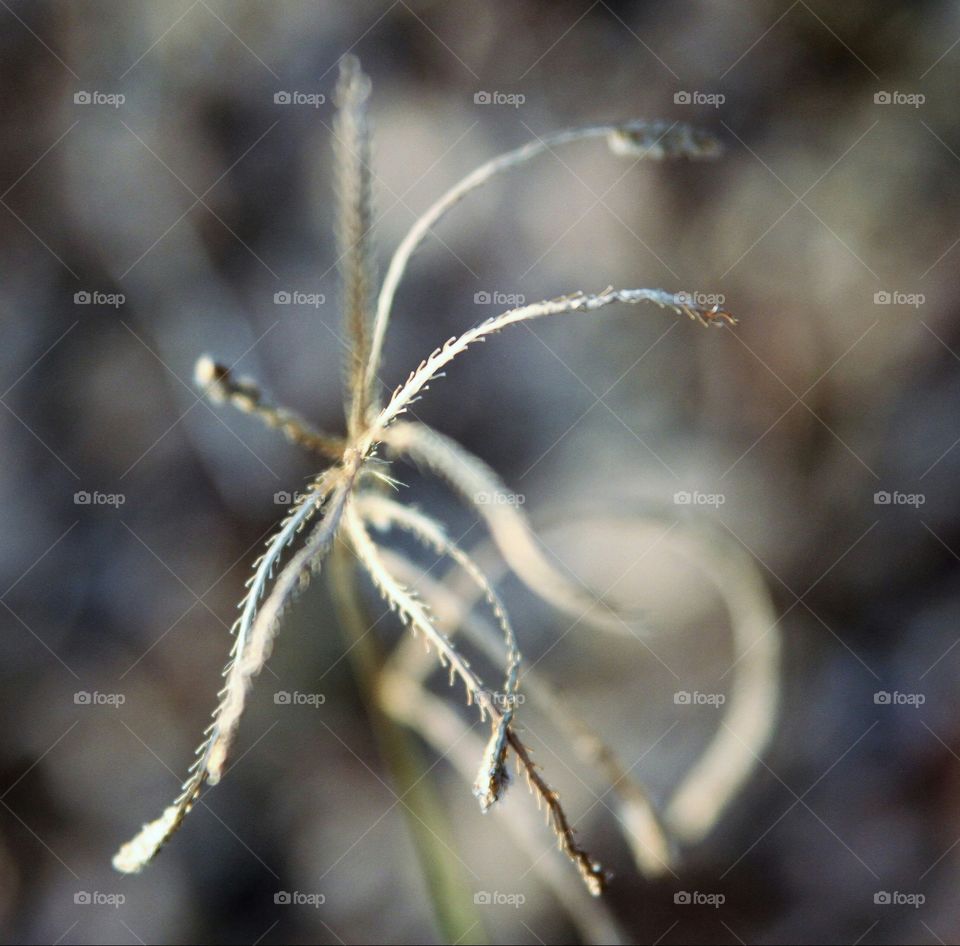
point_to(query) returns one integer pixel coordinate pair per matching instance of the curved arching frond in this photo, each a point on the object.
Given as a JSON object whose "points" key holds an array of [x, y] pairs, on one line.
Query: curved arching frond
{"points": [[430, 367], [637, 139], [719, 774], [489, 497]]}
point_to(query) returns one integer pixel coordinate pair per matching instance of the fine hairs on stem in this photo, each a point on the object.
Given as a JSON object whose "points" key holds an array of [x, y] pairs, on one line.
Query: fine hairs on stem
{"points": [[346, 503]]}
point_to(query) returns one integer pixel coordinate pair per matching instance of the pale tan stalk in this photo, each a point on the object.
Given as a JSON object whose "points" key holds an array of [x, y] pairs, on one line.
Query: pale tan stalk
{"points": [[218, 383], [354, 226]]}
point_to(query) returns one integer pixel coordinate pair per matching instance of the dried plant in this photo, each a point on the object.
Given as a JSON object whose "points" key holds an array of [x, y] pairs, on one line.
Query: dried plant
{"points": [[698, 802], [348, 500]]}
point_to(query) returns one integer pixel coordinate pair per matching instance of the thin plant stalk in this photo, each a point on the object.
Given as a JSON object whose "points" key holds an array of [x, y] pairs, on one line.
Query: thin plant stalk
{"points": [[451, 898]]}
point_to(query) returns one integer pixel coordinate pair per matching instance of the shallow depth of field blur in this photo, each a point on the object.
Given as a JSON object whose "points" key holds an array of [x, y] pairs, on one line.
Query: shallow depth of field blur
{"points": [[135, 238]]}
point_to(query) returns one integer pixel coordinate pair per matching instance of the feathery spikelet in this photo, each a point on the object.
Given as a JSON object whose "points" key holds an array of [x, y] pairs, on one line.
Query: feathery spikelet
{"points": [[592, 872], [493, 777], [354, 225]]}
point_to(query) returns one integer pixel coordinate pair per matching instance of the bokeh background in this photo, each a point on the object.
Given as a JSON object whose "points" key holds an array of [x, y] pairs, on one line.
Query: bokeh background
{"points": [[831, 228]]}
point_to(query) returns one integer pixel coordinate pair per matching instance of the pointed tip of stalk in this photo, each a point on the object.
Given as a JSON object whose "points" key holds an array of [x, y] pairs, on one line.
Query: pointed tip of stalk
{"points": [[354, 83], [658, 140], [715, 316], [209, 375], [596, 879], [138, 852], [493, 778]]}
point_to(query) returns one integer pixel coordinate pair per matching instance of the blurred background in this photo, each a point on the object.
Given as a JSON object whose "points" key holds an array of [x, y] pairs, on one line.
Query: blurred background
{"points": [[166, 191]]}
